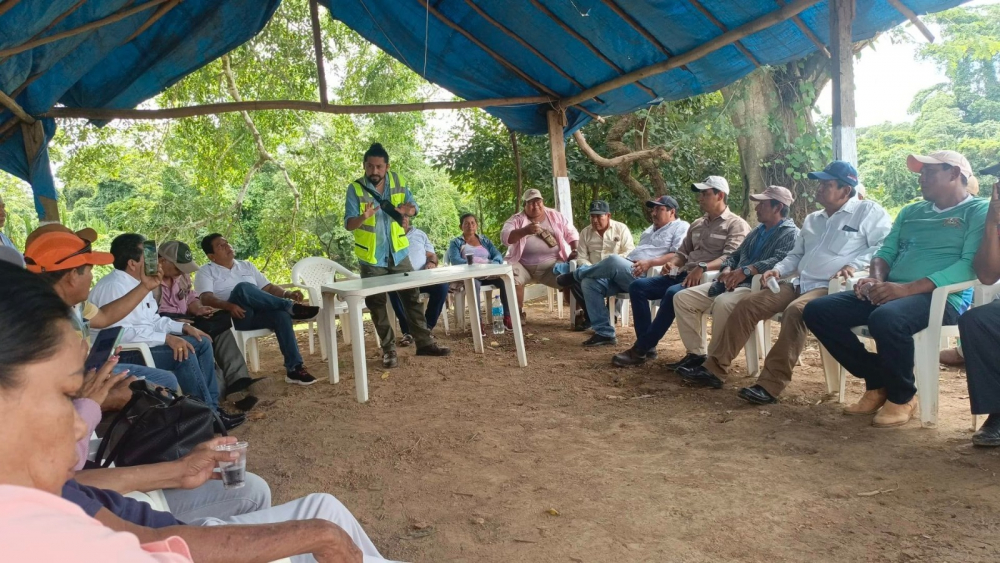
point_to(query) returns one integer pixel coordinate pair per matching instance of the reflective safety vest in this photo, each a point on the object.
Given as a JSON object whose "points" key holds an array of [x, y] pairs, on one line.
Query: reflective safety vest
{"points": [[365, 235]]}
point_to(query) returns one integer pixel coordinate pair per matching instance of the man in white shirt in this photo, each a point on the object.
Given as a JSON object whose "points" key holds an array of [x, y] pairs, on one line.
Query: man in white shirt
{"points": [[422, 257], [6, 243], [237, 286], [834, 241], [175, 346], [614, 274]]}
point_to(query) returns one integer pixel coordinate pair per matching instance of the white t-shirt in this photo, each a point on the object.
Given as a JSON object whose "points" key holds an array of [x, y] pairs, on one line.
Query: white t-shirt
{"points": [[219, 281]]}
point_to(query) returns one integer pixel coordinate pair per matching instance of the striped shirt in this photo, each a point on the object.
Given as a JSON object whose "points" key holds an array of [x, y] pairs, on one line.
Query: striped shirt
{"points": [[774, 247]]}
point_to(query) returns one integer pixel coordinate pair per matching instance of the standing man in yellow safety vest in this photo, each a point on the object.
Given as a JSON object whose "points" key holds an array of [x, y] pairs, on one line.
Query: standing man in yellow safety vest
{"points": [[374, 210]]}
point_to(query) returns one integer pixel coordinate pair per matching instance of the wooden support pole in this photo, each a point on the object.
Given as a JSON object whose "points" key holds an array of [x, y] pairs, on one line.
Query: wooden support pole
{"points": [[159, 13], [298, 105], [808, 32], [715, 21], [115, 17], [560, 175], [912, 16], [519, 185], [318, 47], [792, 9], [841, 47], [15, 108]]}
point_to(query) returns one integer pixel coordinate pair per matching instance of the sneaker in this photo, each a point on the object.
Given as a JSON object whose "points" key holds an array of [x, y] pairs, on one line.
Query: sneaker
{"points": [[598, 340], [688, 361], [565, 280], [299, 376], [433, 350], [630, 357], [303, 312], [507, 323], [389, 359], [247, 403], [229, 420]]}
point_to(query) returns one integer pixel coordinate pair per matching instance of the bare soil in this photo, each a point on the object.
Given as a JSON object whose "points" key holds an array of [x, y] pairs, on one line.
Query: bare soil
{"points": [[470, 458]]}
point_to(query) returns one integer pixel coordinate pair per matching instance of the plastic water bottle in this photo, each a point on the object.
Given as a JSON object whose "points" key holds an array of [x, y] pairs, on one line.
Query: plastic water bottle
{"points": [[772, 284], [498, 327]]}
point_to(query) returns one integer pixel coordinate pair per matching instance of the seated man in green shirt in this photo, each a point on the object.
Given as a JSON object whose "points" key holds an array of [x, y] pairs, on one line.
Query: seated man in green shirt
{"points": [[932, 243]]}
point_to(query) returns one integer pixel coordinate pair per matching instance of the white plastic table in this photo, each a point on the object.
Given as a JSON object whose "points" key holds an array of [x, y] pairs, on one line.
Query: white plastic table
{"points": [[355, 291]]}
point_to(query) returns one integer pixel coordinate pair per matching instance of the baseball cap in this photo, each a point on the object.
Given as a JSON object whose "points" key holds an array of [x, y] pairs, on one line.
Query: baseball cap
{"points": [[599, 207], [712, 182], [56, 250], [840, 170], [87, 234], [777, 193], [179, 254], [531, 194], [664, 201], [916, 162]]}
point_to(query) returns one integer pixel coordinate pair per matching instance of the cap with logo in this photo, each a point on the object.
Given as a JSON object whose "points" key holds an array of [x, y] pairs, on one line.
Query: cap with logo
{"points": [[712, 183], [777, 193], [56, 250], [179, 254], [531, 194], [839, 170], [662, 201], [599, 207]]}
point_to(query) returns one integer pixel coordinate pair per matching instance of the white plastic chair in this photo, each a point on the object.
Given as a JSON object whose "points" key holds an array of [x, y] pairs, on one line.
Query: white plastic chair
{"points": [[143, 349], [623, 297], [246, 340], [464, 305], [310, 274]]}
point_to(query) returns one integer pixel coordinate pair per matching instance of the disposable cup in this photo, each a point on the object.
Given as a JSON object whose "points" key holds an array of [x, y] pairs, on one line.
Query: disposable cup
{"points": [[234, 472]]}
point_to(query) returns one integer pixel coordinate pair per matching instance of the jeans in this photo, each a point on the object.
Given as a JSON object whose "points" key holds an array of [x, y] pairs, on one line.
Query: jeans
{"points": [[264, 310], [892, 325], [649, 331], [436, 296], [980, 330], [212, 500], [610, 276], [160, 377], [196, 374]]}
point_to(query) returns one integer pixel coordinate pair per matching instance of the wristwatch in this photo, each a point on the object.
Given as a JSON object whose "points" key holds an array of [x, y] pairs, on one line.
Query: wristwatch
{"points": [[703, 266], [747, 271]]}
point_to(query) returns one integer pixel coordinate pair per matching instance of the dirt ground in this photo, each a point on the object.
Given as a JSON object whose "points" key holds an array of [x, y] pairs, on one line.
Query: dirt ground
{"points": [[470, 458]]}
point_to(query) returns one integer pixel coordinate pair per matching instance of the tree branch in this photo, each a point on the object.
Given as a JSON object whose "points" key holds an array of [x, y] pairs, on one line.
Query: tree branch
{"points": [[656, 153]]}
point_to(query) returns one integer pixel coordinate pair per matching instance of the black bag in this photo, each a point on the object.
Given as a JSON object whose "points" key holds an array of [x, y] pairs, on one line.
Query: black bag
{"points": [[157, 425]]}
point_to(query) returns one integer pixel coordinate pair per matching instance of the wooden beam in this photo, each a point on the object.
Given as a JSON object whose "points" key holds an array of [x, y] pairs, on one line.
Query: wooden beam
{"points": [[7, 5], [318, 47], [711, 17], [794, 8], [297, 105], [912, 16], [842, 74], [15, 108], [519, 180], [509, 33], [115, 17], [808, 32], [586, 43], [159, 13]]}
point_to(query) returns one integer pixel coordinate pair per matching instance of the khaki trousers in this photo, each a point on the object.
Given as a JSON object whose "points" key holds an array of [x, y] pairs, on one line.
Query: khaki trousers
{"points": [[780, 361], [689, 306]]}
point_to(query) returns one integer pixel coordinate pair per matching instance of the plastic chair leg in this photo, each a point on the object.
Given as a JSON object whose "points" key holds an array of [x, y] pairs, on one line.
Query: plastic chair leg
{"points": [[312, 334], [927, 372], [834, 373]]}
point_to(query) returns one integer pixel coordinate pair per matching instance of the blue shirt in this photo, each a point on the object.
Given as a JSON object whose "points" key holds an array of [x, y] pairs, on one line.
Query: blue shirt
{"points": [[383, 232], [92, 500], [764, 233]]}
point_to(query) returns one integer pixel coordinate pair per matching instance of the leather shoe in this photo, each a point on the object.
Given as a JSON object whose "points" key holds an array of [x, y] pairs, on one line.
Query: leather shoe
{"points": [[389, 359], [651, 355], [699, 375], [565, 280], [433, 349], [688, 361], [869, 403], [893, 415], [230, 420], [598, 340], [756, 395], [988, 435], [630, 357]]}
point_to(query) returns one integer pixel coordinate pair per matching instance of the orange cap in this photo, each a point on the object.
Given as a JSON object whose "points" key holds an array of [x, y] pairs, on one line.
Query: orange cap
{"points": [[87, 234], [56, 250]]}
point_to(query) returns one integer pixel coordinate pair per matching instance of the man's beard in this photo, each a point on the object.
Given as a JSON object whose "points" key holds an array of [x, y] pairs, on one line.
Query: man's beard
{"points": [[375, 179]]}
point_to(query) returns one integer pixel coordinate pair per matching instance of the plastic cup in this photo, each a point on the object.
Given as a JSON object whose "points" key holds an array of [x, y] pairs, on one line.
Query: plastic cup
{"points": [[468, 259], [675, 271], [772, 284], [234, 473]]}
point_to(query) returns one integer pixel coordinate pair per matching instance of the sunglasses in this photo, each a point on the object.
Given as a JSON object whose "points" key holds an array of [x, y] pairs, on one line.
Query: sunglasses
{"points": [[85, 250]]}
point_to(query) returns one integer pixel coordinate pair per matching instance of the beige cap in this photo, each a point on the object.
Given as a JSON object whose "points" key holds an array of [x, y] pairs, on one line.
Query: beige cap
{"points": [[712, 182], [179, 254], [916, 162], [531, 194], [973, 187], [777, 193]]}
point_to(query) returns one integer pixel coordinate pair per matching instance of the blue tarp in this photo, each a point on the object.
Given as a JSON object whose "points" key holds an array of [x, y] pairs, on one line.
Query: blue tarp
{"points": [[103, 69]]}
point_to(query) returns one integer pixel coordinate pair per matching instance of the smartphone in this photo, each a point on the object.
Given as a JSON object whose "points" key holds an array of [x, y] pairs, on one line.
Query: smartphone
{"points": [[105, 344], [150, 259]]}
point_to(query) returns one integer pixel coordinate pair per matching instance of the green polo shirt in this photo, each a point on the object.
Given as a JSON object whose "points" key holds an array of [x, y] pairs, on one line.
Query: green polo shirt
{"points": [[938, 245]]}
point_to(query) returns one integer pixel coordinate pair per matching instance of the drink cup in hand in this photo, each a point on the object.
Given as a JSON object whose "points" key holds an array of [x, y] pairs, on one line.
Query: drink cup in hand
{"points": [[772, 284], [675, 271], [234, 473]]}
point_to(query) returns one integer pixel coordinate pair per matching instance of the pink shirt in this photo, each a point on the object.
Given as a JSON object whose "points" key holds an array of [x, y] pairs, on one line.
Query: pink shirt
{"points": [[90, 412], [563, 230], [38, 526], [175, 296]]}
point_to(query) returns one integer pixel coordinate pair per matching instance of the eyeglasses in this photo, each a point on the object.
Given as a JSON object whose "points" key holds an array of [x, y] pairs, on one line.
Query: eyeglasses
{"points": [[85, 250]]}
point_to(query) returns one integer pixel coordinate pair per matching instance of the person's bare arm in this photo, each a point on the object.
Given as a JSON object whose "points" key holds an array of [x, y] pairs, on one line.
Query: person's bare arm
{"points": [[120, 308], [518, 234], [249, 544], [987, 260], [367, 210]]}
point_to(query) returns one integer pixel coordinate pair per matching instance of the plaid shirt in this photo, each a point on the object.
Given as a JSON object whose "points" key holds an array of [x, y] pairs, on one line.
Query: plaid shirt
{"points": [[777, 245]]}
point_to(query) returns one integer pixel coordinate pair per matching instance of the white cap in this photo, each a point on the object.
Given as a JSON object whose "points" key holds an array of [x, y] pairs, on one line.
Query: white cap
{"points": [[712, 182]]}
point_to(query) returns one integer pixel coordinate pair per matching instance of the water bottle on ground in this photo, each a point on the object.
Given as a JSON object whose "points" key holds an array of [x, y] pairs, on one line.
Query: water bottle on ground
{"points": [[497, 315]]}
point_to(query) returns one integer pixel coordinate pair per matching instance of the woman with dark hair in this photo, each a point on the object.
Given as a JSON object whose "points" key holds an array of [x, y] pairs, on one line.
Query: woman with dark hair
{"points": [[41, 372], [482, 250]]}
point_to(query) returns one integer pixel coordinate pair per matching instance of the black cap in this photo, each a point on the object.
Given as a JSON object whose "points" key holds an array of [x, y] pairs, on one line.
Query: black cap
{"points": [[664, 200], [599, 207]]}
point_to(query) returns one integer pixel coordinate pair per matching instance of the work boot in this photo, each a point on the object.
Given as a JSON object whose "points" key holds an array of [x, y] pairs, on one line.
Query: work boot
{"points": [[869, 403], [893, 415]]}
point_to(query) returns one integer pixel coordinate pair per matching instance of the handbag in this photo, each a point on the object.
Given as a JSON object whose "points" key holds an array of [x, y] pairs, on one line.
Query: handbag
{"points": [[157, 425]]}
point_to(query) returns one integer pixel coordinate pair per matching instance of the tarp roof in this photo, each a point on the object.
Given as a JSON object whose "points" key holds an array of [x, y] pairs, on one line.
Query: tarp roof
{"points": [[574, 45]]}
